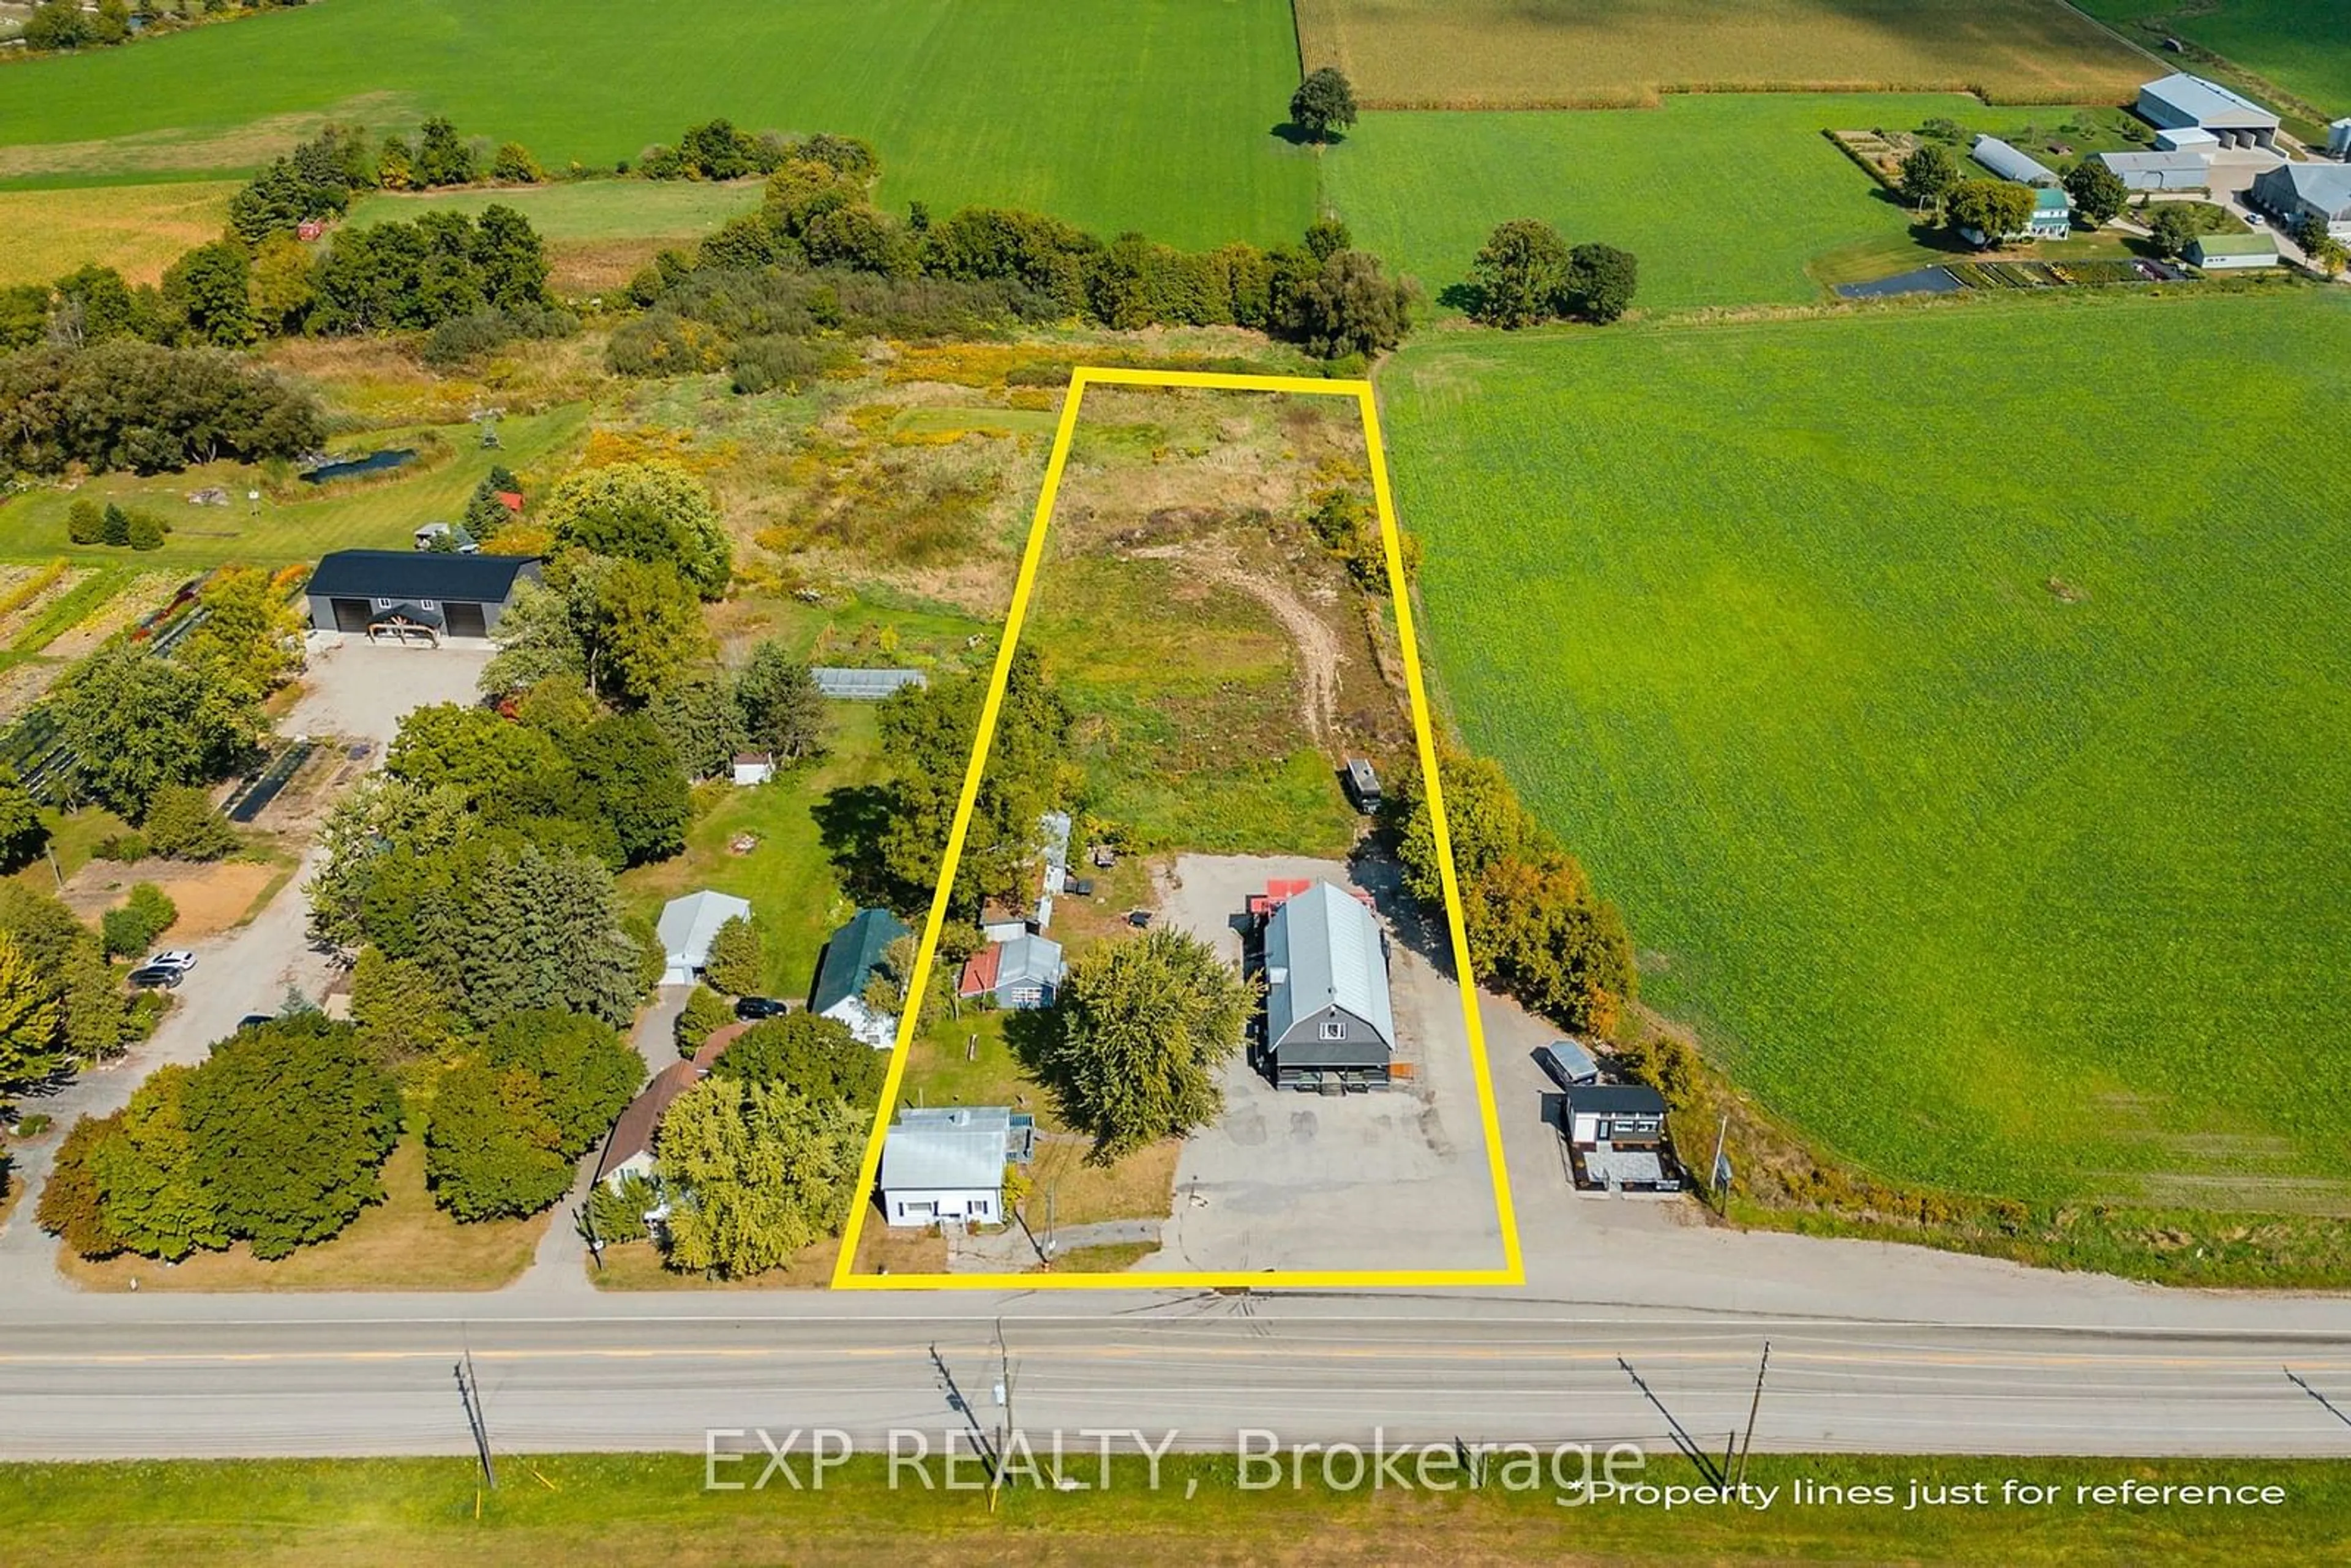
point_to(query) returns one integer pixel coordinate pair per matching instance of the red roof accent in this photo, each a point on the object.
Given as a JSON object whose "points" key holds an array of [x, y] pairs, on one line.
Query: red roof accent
{"points": [[511, 499], [980, 970], [714, 1047]]}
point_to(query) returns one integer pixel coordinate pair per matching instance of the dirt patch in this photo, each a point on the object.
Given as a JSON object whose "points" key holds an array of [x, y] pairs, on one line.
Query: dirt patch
{"points": [[1317, 644], [211, 898]]}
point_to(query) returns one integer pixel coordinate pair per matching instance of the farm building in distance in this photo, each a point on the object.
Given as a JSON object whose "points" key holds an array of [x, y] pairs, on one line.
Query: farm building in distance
{"points": [[2160, 171], [2179, 102], [947, 1164], [864, 685], [1329, 1022], [849, 962], [2232, 253], [359, 591], [2293, 192], [2010, 163]]}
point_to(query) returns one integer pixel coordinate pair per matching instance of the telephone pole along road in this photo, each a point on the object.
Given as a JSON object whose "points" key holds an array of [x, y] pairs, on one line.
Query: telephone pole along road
{"points": [[221, 1376]]}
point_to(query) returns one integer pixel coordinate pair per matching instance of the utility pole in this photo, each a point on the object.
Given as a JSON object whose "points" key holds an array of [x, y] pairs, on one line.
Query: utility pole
{"points": [[1004, 1424], [469, 1394], [1718, 1175], [1762, 1369]]}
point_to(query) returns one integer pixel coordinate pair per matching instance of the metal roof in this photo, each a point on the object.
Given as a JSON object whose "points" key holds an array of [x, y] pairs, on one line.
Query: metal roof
{"points": [[2323, 185], [2008, 163], [864, 685], [1615, 1100], [688, 924], [1326, 948], [2206, 102], [1030, 958], [851, 956], [2233, 244], [924, 1155], [419, 574]]}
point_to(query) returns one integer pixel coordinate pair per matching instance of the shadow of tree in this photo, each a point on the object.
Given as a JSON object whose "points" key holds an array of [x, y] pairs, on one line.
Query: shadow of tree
{"points": [[1298, 135], [850, 822], [1463, 297], [1033, 1036]]}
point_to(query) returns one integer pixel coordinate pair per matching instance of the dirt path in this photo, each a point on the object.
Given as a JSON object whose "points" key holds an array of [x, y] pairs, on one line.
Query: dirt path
{"points": [[1317, 644]]}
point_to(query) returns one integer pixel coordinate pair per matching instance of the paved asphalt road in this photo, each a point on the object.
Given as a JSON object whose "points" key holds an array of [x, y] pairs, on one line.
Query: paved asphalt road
{"points": [[224, 1375]]}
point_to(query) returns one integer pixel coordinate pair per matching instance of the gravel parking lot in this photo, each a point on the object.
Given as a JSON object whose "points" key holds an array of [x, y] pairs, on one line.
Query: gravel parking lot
{"points": [[359, 689], [1292, 1181]]}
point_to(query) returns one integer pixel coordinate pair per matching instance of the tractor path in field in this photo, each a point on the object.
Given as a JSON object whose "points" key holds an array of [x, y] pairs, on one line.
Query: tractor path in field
{"points": [[1317, 643]]}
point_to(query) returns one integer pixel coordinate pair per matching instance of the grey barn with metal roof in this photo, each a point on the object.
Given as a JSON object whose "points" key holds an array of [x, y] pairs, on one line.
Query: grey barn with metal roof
{"points": [[2160, 171], [350, 589], [2180, 100], [2293, 192], [1329, 1021]]}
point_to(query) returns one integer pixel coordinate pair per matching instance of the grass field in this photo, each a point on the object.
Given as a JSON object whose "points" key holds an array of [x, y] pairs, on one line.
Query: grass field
{"points": [[374, 517], [1580, 54], [598, 231], [1725, 199], [1156, 114], [138, 230], [795, 900], [1966, 748], [581, 1510], [2303, 46]]}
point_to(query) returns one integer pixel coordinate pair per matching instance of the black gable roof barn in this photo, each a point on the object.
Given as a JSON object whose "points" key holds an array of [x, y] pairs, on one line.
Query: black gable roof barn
{"points": [[352, 588]]}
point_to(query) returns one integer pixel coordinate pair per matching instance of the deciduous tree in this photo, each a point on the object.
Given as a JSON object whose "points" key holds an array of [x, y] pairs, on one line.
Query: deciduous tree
{"points": [[648, 512], [782, 711], [811, 1056], [1323, 102], [1141, 1029], [1929, 174], [1519, 273], [2097, 192], [754, 1174]]}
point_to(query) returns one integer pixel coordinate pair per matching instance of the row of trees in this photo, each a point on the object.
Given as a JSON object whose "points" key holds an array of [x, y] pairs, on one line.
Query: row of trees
{"points": [[1334, 299], [1525, 274], [61, 1006], [1536, 929], [275, 1140], [64, 25], [445, 268], [319, 178], [719, 149], [127, 404]]}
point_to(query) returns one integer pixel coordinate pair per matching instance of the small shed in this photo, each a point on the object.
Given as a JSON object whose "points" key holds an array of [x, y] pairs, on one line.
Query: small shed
{"points": [[754, 766], [687, 927], [2232, 253]]}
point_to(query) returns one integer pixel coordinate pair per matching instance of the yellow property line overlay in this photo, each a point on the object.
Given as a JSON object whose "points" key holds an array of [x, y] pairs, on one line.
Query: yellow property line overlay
{"points": [[845, 1275]]}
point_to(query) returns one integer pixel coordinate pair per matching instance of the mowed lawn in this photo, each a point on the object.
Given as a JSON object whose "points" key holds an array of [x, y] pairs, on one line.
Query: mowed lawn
{"points": [[139, 230], [1150, 114], [1579, 54], [1725, 199], [1955, 700], [351, 515], [2303, 46]]}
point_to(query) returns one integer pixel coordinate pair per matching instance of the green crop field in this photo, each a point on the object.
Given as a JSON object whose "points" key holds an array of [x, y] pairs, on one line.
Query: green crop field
{"points": [[1578, 54], [1724, 198], [1955, 701], [586, 209], [2303, 46], [1151, 114]]}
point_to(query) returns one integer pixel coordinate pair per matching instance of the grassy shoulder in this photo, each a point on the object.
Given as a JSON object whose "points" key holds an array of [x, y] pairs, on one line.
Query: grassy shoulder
{"points": [[404, 1243], [631, 1507]]}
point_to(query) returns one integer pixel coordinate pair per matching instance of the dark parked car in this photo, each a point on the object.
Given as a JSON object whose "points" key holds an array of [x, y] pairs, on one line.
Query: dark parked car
{"points": [[154, 974], [757, 1008], [252, 1020]]}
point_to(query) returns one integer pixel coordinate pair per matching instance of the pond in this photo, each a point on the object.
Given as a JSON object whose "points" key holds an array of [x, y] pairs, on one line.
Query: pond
{"points": [[352, 467]]}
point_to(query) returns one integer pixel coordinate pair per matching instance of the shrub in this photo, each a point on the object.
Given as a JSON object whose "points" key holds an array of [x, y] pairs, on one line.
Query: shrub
{"points": [[705, 1011], [514, 166], [736, 963], [146, 532], [616, 1211], [767, 364], [85, 524], [182, 825], [33, 1125], [123, 848], [130, 929]]}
